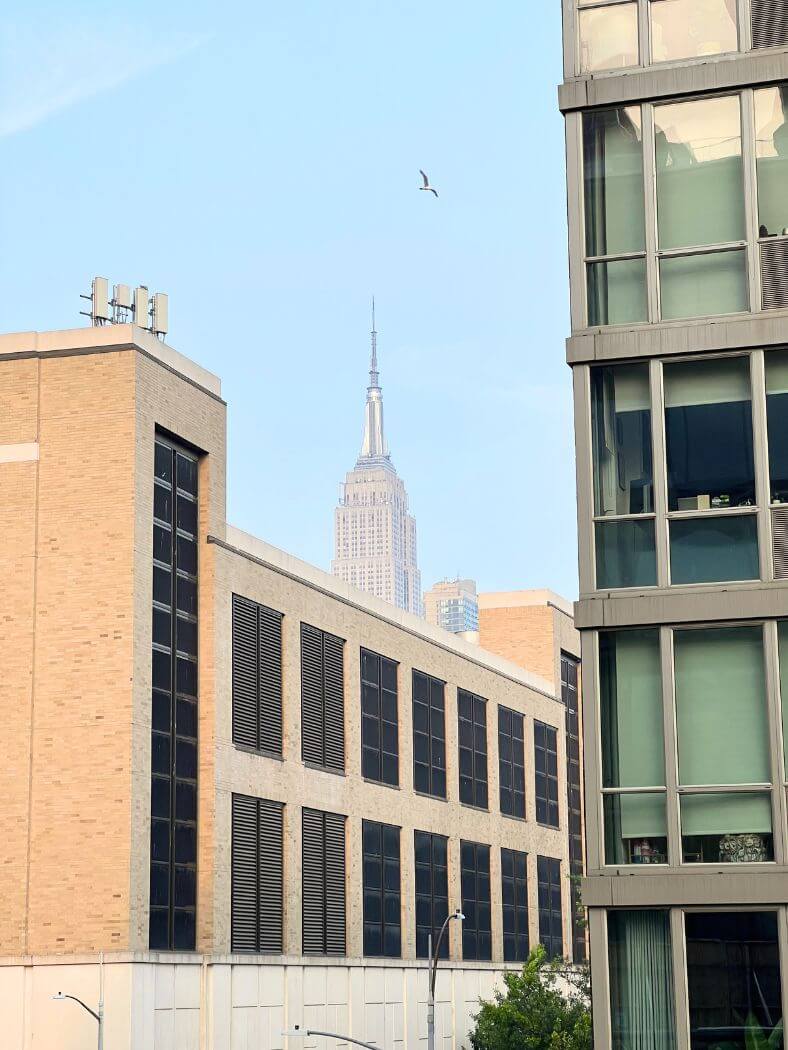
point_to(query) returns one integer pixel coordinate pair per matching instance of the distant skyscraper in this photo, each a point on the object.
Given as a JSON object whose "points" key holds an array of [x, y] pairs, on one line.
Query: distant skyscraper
{"points": [[452, 604], [374, 535]]}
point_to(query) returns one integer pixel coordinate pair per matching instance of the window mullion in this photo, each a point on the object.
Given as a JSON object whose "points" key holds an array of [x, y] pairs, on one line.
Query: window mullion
{"points": [[745, 28], [761, 463], [671, 745], [680, 993], [659, 473], [750, 196], [774, 707], [644, 32], [650, 211]]}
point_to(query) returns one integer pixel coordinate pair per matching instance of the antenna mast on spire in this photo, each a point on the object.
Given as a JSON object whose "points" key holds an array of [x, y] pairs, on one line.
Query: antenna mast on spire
{"points": [[373, 365]]}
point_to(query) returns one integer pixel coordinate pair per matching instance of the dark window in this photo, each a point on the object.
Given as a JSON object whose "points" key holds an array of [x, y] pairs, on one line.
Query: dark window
{"points": [[472, 736], [379, 721], [570, 670], [322, 698], [257, 676], [546, 774], [551, 930], [511, 762], [514, 898], [173, 863], [475, 879], [432, 892], [323, 882], [429, 735], [382, 923], [257, 875]]}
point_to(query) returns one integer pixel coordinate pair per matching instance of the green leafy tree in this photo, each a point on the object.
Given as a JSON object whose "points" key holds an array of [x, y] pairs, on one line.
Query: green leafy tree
{"points": [[545, 1006]]}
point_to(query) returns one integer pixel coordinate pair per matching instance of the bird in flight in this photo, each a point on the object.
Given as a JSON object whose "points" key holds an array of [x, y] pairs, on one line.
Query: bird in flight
{"points": [[426, 185]]}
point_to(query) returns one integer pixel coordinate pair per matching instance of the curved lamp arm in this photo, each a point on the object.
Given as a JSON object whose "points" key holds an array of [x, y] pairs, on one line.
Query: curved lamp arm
{"points": [[457, 914], [84, 1006], [304, 1032]]}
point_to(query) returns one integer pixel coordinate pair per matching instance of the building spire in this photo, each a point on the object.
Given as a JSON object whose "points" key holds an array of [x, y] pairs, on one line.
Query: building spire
{"points": [[373, 444]]}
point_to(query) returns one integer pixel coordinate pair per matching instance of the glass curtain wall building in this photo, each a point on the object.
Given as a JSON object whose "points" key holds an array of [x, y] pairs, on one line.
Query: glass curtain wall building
{"points": [[677, 160]]}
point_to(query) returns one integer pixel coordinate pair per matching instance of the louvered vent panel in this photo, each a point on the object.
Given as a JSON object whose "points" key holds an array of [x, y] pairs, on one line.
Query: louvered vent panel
{"points": [[313, 886], [270, 877], [312, 749], [270, 680], [769, 23], [334, 708], [244, 874], [774, 274], [244, 671], [780, 542], [335, 884]]}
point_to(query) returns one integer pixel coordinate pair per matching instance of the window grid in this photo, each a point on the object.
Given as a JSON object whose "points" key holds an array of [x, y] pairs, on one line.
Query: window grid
{"points": [[429, 735], [511, 762], [431, 892], [570, 674], [381, 875], [546, 774], [173, 861], [514, 903], [475, 884], [472, 737], [379, 719], [551, 931]]}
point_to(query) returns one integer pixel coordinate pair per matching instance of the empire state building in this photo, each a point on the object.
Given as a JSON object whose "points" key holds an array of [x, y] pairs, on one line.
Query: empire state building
{"points": [[374, 535]]}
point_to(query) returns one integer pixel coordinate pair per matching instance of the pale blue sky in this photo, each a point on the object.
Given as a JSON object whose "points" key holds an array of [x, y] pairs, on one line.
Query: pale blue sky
{"points": [[259, 162]]}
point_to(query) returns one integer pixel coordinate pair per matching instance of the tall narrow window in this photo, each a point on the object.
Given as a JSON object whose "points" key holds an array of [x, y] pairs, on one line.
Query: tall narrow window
{"points": [[771, 151], [777, 418], [546, 774], [257, 676], [514, 899], [570, 670], [173, 864], [511, 762], [322, 698], [641, 980], [608, 35], [472, 731], [429, 735], [257, 875], [615, 243], [432, 892], [382, 919], [551, 929], [379, 721], [475, 879], [623, 477], [323, 882], [700, 204]]}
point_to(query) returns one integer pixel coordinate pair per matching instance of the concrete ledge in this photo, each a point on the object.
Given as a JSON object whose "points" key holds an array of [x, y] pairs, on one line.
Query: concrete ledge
{"points": [[678, 886]]}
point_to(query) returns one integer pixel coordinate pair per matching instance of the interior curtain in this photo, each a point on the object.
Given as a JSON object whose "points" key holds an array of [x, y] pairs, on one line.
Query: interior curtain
{"points": [[643, 1016]]}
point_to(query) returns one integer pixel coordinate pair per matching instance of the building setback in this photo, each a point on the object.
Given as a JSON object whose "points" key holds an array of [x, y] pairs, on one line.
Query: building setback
{"points": [[678, 244], [253, 789]]}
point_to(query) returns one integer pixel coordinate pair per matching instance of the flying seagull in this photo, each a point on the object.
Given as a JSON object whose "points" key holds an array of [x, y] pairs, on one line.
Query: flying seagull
{"points": [[426, 185]]}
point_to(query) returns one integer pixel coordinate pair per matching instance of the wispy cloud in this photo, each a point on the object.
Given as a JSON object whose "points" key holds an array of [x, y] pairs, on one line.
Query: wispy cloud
{"points": [[53, 65]]}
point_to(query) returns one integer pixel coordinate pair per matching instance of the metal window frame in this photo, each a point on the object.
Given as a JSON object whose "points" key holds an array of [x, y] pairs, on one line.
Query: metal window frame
{"points": [[382, 892], [363, 651], [476, 756]]}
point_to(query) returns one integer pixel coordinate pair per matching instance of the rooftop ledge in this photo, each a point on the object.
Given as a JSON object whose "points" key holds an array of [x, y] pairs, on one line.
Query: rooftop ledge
{"points": [[279, 560], [103, 339]]}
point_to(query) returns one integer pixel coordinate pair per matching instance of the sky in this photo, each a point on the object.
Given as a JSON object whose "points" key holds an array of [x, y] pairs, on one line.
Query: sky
{"points": [[259, 162]]}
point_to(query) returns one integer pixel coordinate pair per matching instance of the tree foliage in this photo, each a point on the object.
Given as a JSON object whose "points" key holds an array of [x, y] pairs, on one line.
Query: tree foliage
{"points": [[545, 1006]]}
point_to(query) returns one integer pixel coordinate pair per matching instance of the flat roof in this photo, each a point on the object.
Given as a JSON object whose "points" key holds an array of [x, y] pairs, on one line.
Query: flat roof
{"points": [[251, 546], [94, 339], [520, 599]]}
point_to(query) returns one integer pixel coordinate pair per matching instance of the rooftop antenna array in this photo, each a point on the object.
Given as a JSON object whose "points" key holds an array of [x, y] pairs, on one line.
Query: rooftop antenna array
{"points": [[127, 307]]}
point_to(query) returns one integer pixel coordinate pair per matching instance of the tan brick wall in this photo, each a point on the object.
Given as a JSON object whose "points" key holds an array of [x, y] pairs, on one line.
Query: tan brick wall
{"points": [[524, 635]]}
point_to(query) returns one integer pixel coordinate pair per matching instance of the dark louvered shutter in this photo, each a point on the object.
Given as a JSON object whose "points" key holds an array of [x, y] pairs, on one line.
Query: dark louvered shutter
{"points": [[244, 671], [311, 694], [335, 884], [313, 894], [774, 274], [334, 705], [270, 680], [769, 23], [257, 875]]}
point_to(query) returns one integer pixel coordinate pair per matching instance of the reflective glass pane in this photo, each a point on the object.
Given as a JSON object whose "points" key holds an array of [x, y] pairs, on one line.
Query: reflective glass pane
{"points": [[714, 550], [692, 28], [721, 719], [777, 420], [625, 554], [708, 435], [621, 422], [700, 194], [617, 292], [613, 181], [635, 829], [608, 37], [641, 981], [733, 980], [771, 151], [730, 828], [703, 285], [631, 706]]}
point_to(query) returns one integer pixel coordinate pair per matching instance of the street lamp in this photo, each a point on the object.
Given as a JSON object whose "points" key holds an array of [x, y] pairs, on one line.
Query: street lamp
{"points": [[98, 1016], [456, 914], [303, 1033]]}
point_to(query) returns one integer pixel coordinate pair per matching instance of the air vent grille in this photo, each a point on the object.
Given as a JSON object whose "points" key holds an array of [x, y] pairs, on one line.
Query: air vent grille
{"points": [[774, 275], [780, 542], [769, 23]]}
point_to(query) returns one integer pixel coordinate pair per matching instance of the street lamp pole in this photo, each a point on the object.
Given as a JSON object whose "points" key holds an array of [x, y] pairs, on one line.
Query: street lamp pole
{"points": [[304, 1033], [97, 1015], [434, 955]]}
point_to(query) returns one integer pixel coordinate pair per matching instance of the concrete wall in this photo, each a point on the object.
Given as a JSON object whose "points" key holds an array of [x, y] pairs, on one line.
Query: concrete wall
{"points": [[227, 1003]]}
